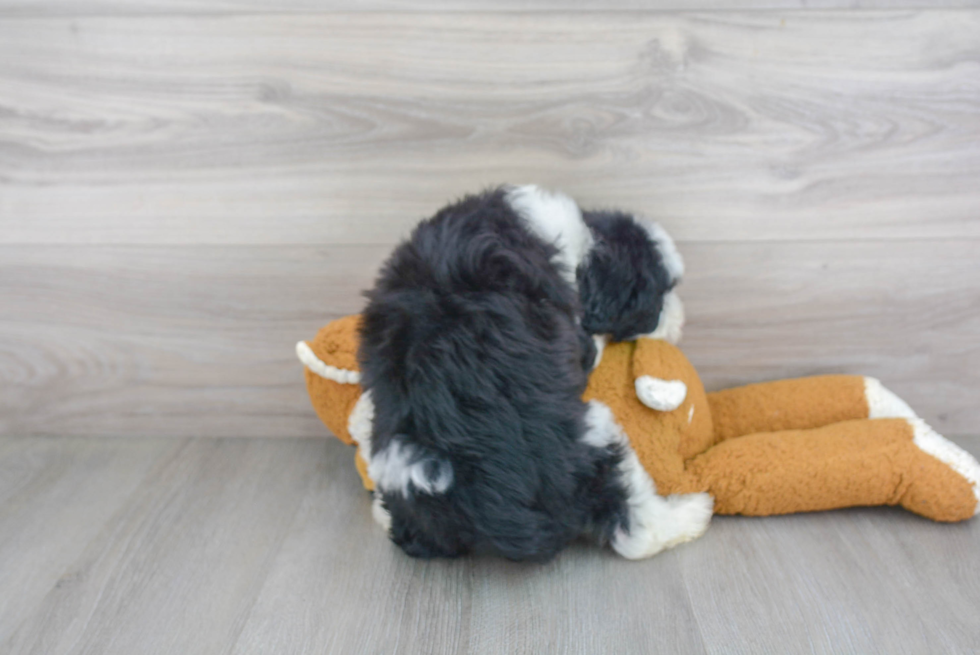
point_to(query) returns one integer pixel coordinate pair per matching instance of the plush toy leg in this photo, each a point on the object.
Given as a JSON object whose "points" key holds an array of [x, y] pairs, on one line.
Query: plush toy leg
{"points": [[801, 404], [853, 463]]}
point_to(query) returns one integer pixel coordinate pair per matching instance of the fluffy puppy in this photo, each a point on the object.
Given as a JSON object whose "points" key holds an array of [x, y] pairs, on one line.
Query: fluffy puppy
{"points": [[474, 355]]}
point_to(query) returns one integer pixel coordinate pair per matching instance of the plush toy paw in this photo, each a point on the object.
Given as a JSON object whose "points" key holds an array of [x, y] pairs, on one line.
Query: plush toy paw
{"points": [[662, 395], [882, 403], [932, 492]]}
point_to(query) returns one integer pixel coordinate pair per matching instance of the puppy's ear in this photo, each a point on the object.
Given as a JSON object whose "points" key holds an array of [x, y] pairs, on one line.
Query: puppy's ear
{"points": [[623, 281]]}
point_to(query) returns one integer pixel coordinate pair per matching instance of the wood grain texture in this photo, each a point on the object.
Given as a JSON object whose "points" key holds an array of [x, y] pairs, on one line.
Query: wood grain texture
{"points": [[267, 546], [347, 128], [115, 7], [181, 341], [178, 567], [55, 497], [351, 591]]}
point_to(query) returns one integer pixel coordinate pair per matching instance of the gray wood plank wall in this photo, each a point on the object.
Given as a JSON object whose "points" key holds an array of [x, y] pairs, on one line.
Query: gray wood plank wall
{"points": [[187, 188]]}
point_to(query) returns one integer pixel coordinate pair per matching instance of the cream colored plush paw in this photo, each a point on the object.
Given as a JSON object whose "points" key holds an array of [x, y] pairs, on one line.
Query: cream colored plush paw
{"points": [[662, 395], [882, 403], [931, 442]]}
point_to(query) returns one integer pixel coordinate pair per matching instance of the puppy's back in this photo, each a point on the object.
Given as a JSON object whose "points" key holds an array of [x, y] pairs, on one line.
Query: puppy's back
{"points": [[471, 354]]}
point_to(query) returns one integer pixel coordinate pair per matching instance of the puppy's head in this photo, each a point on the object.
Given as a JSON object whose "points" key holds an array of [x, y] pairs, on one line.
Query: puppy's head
{"points": [[627, 281]]}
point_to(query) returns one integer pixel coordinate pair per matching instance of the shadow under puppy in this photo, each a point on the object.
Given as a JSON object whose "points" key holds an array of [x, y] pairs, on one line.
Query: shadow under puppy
{"points": [[476, 344]]}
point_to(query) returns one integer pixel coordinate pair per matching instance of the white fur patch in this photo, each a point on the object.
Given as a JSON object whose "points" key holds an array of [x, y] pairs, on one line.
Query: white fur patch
{"points": [[669, 254], [947, 452], [662, 395], [658, 522], [882, 403], [380, 514], [655, 522], [601, 428], [556, 219], [392, 469], [690, 415], [600, 345], [315, 364], [360, 423], [671, 324], [401, 464]]}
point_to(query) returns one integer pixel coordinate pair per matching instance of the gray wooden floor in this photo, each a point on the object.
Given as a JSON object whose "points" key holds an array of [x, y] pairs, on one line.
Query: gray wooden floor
{"points": [[210, 546]]}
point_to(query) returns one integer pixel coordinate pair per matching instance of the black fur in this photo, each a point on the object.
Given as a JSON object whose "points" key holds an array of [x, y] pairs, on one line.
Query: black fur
{"points": [[472, 352], [623, 281]]}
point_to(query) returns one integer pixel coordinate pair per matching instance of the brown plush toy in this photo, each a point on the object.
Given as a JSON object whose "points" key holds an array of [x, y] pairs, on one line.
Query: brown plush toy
{"points": [[780, 447]]}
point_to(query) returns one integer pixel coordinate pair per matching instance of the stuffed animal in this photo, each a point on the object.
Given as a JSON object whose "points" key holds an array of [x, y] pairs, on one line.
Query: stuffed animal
{"points": [[796, 445]]}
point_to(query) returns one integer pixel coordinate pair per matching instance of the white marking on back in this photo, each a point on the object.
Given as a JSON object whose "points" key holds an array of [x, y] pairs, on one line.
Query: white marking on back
{"points": [[556, 219]]}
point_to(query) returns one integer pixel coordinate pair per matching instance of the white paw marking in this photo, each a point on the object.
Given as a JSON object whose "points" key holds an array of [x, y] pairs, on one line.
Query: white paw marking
{"points": [[380, 514], [557, 220], [655, 522], [664, 522]]}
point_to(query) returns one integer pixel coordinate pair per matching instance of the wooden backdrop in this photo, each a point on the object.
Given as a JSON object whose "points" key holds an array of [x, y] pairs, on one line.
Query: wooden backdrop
{"points": [[187, 187]]}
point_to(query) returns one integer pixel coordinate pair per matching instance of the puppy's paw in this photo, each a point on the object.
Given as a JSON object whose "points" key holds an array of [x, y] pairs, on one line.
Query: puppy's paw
{"points": [[691, 514], [662, 395], [664, 523], [379, 512]]}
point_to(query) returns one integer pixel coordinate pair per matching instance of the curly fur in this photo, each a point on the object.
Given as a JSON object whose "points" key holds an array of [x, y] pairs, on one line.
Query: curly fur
{"points": [[475, 350], [625, 277]]}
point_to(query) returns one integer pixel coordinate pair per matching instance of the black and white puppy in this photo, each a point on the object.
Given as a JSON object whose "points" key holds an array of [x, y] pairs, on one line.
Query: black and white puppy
{"points": [[475, 349]]}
